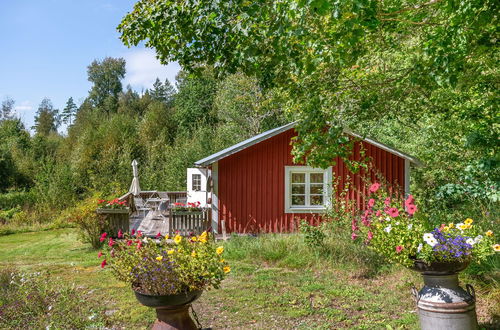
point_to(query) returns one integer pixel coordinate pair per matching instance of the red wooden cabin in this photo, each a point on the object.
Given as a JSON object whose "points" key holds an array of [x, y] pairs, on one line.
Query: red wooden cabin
{"points": [[256, 187]]}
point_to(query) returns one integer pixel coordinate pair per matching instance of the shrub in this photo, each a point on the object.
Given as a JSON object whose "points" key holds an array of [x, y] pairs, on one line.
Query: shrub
{"points": [[35, 300], [91, 224], [16, 199], [314, 237]]}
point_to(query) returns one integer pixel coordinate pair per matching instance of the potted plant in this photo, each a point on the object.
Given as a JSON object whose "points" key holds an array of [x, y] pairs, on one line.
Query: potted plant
{"points": [[117, 215], [167, 274], [188, 208], [392, 226]]}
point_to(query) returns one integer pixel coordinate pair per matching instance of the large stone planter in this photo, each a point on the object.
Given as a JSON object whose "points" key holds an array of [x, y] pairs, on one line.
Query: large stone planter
{"points": [[116, 219], [442, 303], [172, 311]]}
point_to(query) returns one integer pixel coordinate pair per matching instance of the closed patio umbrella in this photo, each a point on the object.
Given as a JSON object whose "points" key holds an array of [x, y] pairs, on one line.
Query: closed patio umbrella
{"points": [[135, 189]]}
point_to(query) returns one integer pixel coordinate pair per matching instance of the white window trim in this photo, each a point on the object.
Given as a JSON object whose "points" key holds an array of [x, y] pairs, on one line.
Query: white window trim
{"points": [[327, 189], [193, 181]]}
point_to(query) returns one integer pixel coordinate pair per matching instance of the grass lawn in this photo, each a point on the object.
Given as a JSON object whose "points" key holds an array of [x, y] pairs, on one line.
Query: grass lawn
{"points": [[274, 288]]}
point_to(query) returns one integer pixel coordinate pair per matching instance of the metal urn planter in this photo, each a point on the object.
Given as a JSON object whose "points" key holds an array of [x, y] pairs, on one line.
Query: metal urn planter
{"points": [[172, 311], [116, 219], [442, 303]]}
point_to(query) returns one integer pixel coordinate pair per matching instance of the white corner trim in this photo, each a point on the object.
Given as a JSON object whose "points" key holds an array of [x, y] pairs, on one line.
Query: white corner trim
{"points": [[327, 188], [407, 177]]}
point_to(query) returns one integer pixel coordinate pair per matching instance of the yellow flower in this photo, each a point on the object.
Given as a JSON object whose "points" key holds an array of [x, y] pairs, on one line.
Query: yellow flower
{"points": [[203, 237], [167, 237], [193, 254], [446, 228], [170, 251], [159, 258], [219, 250], [177, 239], [222, 260], [489, 233], [468, 221], [451, 225], [194, 238], [227, 269], [461, 226], [496, 247]]}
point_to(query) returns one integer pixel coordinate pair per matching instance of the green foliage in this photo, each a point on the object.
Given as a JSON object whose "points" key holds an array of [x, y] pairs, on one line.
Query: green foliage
{"points": [[37, 300], [69, 112], [90, 224], [106, 76], [314, 237], [46, 119], [15, 199]]}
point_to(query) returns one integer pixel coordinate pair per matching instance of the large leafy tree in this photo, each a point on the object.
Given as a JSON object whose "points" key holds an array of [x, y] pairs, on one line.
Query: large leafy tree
{"points": [[47, 118], [341, 63], [106, 75]]}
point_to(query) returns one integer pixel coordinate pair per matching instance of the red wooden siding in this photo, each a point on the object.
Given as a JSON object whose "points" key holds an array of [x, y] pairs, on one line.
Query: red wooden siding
{"points": [[252, 187]]}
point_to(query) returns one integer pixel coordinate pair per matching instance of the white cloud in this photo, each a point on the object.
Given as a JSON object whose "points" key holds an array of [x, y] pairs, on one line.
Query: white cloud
{"points": [[143, 68], [23, 106]]}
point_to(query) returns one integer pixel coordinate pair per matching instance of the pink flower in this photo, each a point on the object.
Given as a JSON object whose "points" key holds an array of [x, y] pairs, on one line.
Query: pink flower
{"points": [[120, 234], [103, 237], [354, 227], [411, 209], [99, 254], [112, 253], [129, 242], [371, 202], [111, 242], [132, 232], [387, 201], [103, 263], [354, 236], [409, 201], [379, 213], [139, 233], [399, 248], [370, 235], [374, 187], [139, 245], [393, 212], [365, 221], [158, 235], [367, 213]]}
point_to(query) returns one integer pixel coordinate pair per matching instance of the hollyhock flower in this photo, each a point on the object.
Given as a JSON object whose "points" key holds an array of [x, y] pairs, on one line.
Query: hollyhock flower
{"points": [[374, 187], [379, 213], [132, 232], [367, 213], [409, 201], [371, 202], [365, 221], [129, 242], [354, 236], [112, 253], [139, 245], [111, 242], [158, 235], [370, 235], [387, 201], [139, 233], [393, 212], [354, 227], [399, 248], [411, 209], [103, 237], [120, 234], [103, 263], [99, 254]]}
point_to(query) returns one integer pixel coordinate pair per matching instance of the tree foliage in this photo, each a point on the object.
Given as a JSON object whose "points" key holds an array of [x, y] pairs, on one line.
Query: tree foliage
{"points": [[106, 76]]}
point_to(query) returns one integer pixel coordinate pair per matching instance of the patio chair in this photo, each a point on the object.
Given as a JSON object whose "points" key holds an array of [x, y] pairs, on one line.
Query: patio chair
{"points": [[140, 206], [163, 195], [163, 209]]}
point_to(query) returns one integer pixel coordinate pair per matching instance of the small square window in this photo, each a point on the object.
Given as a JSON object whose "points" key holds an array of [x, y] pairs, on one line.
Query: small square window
{"points": [[306, 188], [196, 182]]}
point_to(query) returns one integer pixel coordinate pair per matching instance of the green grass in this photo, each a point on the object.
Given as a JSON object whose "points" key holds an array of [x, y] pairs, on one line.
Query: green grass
{"points": [[276, 282]]}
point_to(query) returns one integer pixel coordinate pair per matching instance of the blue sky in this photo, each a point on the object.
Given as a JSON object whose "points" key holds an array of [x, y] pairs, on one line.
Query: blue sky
{"points": [[47, 45]]}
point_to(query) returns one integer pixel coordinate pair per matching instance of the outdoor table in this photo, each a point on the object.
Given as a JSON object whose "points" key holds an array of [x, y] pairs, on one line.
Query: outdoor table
{"points": [[154, 203]]}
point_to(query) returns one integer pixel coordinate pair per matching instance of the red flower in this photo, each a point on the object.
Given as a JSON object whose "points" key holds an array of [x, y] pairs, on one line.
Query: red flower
{"points": [[409, 201], [371, 202], [374, 187], [111, 242], [354, 236], [139, 245], [120, 233], [139, 233], [411, 209], [100, 201], [103, 263], [99, 254], [132, 232], [370, 235], [198, 203], [103, 237], [379, 213], [158, 235], [129, 242], [399, 248], [393, 212], [354, 227]]}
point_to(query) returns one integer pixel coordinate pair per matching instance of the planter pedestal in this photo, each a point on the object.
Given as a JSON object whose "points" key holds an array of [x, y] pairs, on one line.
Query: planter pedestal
{"points": [[442, 303]]}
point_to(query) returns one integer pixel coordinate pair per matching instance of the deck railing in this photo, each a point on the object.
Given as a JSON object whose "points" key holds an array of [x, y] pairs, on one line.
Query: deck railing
{"points": [[186, 223]]}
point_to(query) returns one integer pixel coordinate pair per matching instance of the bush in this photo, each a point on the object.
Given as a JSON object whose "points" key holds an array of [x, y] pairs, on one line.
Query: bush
{"points": [[314, 237], [34, 300], [91, 224], [16, 199]]}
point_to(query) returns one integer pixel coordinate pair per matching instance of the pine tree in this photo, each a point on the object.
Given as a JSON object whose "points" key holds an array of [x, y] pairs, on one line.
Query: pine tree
{"points": [[7, 109], [47, 118], [69, 112]]}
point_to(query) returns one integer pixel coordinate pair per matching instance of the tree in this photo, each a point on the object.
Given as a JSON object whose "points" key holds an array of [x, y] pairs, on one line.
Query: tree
{"points": [[163, 91], [69, 112], [340, 63], [106, 75], [7, 109], [46, 119]]}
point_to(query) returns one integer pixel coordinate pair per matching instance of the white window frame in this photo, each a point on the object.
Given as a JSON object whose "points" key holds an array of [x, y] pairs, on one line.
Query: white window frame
{"points": [[193, 181], [327, 189]]}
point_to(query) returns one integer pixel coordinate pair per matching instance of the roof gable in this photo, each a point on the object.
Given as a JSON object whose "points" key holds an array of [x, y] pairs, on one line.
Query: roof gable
{"points": [[268, 134]]}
